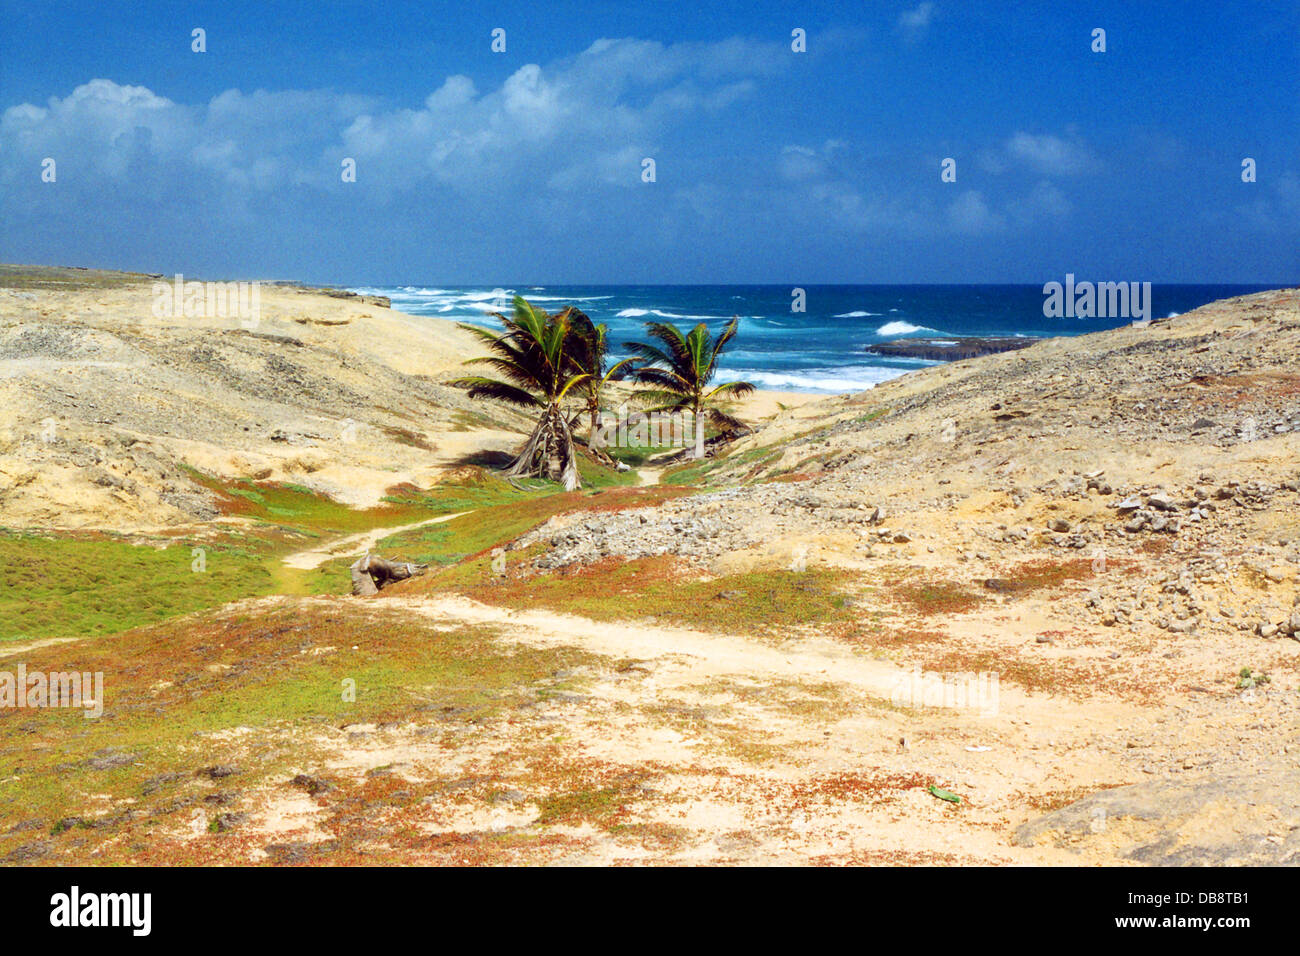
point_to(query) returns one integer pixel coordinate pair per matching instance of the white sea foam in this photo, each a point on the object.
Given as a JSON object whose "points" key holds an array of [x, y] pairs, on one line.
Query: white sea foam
{"points": [[898, 327], [850, 378], [566, 298], [855, 315], [678, 315], [637, 313]]}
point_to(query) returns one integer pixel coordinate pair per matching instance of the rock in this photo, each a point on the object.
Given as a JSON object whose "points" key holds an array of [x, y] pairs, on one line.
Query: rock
{"points": [[1180, 823], [313, 785], [216, 772], [289, 852], [1001, 585], [1059, 524], [227, 821], [1128, 504], [110, 758], [948, 350]]}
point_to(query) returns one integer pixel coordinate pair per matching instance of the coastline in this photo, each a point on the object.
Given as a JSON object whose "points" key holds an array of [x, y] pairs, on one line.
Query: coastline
{"points": [[263, 400]]}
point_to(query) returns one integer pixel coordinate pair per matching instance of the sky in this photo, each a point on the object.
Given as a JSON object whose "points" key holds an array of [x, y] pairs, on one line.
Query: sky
{"points": [[770, 165]]}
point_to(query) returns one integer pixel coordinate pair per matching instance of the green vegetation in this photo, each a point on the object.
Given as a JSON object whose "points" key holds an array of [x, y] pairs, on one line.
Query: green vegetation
{"points": [[174, 691], [92, 585], [757, 602], [465, 540], [303, 510], [58, 584], [1247, 678], [66, 278], [928, 598]]}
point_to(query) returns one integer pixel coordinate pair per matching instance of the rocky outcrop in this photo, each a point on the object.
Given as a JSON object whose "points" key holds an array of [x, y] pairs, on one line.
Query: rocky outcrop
{"points": [[948, 350], [1241, 820]]}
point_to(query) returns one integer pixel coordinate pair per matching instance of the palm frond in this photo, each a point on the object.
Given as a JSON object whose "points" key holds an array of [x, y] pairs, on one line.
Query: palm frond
{"points": [[479, 387], [731, 390]]}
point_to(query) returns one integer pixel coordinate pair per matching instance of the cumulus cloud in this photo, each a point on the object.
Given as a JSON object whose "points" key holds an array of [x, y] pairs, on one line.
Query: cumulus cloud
{"points": [[549, 124]]}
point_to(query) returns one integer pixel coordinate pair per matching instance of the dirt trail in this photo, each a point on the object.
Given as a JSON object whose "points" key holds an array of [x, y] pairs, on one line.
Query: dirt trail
{"points": [[700, 656], [675, 745], [9, 650], [354, 544], [782, 752]]}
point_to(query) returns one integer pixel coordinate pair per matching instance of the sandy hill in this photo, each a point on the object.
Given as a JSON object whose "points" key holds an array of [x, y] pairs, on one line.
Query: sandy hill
{"points": [[104, 401]]}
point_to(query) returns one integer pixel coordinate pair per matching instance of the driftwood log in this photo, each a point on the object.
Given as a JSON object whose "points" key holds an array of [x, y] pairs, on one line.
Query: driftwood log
{"points": [[372, 573]]}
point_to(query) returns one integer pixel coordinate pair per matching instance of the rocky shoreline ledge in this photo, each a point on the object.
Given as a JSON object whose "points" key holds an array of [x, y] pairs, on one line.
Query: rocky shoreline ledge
{"points": [[949, 350]]}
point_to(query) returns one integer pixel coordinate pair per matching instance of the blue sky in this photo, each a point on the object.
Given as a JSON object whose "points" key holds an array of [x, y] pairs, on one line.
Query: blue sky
{"points": [[772, 166]]}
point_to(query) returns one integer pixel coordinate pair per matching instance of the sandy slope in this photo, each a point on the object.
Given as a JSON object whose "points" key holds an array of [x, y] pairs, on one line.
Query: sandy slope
{"points": [[104, 402]]}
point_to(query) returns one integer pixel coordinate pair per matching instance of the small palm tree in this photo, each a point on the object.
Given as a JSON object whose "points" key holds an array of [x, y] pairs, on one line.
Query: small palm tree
{"points": [[537, 371], [590, 355], [679, 371]]}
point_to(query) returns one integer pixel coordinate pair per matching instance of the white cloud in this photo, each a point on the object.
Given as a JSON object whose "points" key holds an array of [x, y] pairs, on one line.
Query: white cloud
{"points": [[579, 117], [1050, 155], [970, 214], [915, 22], [1045, 202], [1278, 209]]}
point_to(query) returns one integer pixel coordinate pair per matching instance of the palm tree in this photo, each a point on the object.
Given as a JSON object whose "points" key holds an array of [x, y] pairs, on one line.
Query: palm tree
{"points": [[589, 355], [533, 356], [679, 372]]}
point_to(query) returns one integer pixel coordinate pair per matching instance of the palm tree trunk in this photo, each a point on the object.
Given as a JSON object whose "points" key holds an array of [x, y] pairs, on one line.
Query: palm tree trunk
{"points": [[549, 452], [699, 431]]}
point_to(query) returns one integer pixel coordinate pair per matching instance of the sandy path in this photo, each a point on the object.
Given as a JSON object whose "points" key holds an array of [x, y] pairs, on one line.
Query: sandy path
{"points": [[9, 650], [700, 656], [355, 544], [694, 703]]}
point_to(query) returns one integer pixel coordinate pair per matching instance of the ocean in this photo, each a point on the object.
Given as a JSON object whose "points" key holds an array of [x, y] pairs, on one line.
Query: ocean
{"points": [[822, 349]]}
